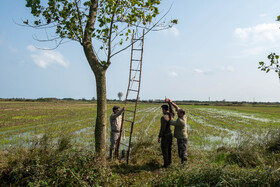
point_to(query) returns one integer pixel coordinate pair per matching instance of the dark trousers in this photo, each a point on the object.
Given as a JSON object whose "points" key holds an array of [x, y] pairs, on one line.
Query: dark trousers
{"points": [[166, 144], [182, 149]]}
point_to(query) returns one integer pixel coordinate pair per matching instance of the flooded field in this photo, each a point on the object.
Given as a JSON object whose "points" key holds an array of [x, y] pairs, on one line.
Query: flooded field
{"points": [[209, 126]]}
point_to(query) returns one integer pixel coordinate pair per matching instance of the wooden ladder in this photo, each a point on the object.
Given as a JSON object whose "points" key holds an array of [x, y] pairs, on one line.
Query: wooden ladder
{"points": [[134, 71]]}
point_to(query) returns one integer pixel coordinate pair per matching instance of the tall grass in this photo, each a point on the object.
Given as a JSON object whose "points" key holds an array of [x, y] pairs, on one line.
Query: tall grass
{"points": [[49, 163]]}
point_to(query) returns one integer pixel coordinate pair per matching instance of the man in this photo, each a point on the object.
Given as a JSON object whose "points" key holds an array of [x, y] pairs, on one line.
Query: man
{"points": [[180, 132], [115, 120], [165, 136]]}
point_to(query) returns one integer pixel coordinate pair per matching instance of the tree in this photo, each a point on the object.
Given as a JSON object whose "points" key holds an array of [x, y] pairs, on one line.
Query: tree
{"points": [[89, 21], [274, 63], [120, 94]]}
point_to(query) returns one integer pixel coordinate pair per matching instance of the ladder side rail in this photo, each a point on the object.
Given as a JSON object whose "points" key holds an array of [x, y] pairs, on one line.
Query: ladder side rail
{"points": [[127, 93], [131, 131]]}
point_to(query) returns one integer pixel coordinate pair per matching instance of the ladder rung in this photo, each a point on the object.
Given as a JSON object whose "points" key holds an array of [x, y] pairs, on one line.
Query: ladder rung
{"points": [[133, 90], [137, 39], [135, 80], [135, 70], [137, 49], [135, 60], [128, 121]]}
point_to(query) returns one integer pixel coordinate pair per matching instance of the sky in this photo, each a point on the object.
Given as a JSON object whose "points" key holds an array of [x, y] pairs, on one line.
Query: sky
{"points": [[211, 54]]}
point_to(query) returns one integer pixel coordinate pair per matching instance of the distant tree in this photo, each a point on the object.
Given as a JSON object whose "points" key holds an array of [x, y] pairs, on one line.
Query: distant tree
{"points": [[120, 94], [68, 99], [93, 99], [274, 63], [107, 21]]}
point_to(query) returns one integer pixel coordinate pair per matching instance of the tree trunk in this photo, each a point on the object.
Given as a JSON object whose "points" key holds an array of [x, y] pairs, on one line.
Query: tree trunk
{"points": [[100, 126], [100, 77]]}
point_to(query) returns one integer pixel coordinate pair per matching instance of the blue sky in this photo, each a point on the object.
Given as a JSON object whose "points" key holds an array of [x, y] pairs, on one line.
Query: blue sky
{"points": [[213, 53]]}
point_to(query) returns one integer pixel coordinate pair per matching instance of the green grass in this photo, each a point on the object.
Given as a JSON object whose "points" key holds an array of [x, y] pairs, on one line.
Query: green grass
{"points": [[52, 144]]}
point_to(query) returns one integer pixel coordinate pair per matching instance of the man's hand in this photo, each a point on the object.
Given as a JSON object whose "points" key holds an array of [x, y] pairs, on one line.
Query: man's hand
{"points": [[168, 100], [158, 140]]}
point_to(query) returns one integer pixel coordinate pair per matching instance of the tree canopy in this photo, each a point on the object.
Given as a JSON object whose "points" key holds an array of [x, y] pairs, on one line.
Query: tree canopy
{"points": [[112, 24]]}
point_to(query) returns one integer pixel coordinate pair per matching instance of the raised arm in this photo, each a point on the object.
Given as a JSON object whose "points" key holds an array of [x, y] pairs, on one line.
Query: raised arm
{"points": [[173, 104], [114, 116], [171, 112]]}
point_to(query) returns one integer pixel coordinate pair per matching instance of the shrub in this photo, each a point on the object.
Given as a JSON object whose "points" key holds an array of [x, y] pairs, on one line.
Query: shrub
{"points": [[272, 142]]}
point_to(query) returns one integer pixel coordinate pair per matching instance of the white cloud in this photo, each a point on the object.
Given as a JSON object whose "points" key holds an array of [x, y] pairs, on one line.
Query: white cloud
{"points": [[199, 71], [259, 33], [31, 48], [172, 31], [226, 68], [173, 74], [215, 70], [253, 51], [203, 72], [263, 15], [45, 58]]}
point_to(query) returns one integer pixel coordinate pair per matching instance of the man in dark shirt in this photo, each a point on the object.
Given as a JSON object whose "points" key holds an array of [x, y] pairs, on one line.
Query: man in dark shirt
{"points": [[165, 136]]}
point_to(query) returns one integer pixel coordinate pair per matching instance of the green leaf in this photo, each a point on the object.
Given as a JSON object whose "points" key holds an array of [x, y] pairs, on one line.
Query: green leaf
{"points": [[26, 22], [175, 21]]}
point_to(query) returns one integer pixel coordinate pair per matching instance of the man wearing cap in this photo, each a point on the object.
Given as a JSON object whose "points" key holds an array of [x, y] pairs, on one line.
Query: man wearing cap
{"points": [[115, 120], [165, 136], [180, 132]]}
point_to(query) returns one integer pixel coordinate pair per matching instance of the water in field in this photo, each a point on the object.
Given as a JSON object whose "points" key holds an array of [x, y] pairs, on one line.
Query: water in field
{"points": [[209, 127]]}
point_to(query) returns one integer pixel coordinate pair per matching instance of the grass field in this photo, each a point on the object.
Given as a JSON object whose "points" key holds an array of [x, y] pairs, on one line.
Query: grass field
{"points": [[209, 126], [219, 137]]}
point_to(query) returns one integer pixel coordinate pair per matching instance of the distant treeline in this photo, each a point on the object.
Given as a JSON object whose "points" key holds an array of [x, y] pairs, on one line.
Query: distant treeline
{"points": [[47, 99], [180, 102]]}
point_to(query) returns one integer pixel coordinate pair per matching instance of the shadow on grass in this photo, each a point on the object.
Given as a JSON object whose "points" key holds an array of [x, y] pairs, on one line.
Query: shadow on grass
{"points": [[124, 168]]}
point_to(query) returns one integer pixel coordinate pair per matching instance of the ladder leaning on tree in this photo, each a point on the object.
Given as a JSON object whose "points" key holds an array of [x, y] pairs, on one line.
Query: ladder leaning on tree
{"points": [[134, 76]]}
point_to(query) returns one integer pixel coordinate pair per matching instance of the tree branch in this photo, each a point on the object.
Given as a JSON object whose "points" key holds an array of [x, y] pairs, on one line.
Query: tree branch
{"points": [[46, 40], [110, 37], [80, 22], [57, 45], [42, 26], [150, 29]]}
